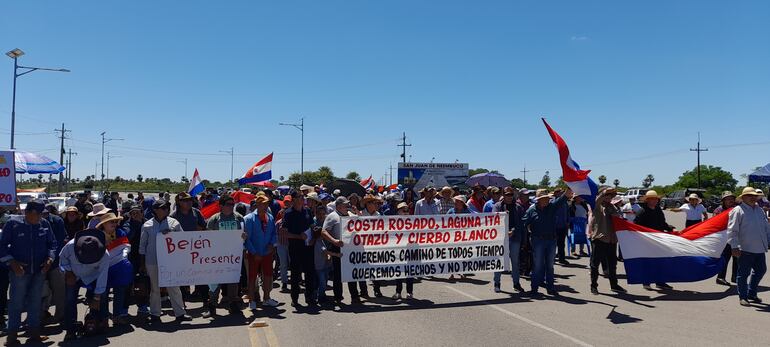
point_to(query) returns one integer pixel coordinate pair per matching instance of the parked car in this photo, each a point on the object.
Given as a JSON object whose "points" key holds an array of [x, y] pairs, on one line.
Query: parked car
{"points": [[25, 197], [633, 193], [679, 197], [61, 203]]}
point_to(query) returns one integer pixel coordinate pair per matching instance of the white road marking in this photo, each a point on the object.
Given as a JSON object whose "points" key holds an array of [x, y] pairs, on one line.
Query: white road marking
{"points": [[524, 319]]}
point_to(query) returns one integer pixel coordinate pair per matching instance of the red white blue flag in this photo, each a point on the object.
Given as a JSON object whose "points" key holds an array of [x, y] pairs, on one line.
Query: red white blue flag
{"points": [[261, 171], [196, 184], [652, 256], [575, 178], [368, 183]]}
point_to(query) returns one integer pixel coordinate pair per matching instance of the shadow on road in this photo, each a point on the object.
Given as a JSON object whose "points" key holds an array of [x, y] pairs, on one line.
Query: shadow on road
{"points": [[621, 318]]}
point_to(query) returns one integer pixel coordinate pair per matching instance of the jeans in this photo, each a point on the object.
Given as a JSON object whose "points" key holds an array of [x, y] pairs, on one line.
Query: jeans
{"points": [[55, 282], [409, 285], [119, 307], [604, 253], [749, 263], [71, 306], [514, 247], [726, 255], [544, 254], [561, 239], [4, 283], [323, 277], [337, 278], [283, 262], [25, 295]]}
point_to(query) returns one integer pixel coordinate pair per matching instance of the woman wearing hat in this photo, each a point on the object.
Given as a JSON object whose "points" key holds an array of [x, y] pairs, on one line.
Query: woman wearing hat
{"points": [[728, 202], [96, 215], [403, 210], [652, 216], [695, 211], [73, 221], [121, 271]]}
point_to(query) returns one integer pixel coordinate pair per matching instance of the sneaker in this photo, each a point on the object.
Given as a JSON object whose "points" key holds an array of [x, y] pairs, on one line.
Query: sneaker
{"points": [[664, 286], [295, 304], [285, 288], [396, 296], [517, 287], [721, 281], [563, 262], [271, 303], [143, 310], [153, 320], [647, 287], [183, 318], [70, 336], [755, 299], [594, 290], [252, 305], [409, 296], [745, 302], [533, 294], [618, 289], [552, 292], [497, 288]]}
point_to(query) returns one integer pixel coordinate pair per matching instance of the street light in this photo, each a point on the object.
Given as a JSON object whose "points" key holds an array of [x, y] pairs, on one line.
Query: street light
{"points": [[231, 152], [15, 54], [301, 127], [104, 140]]}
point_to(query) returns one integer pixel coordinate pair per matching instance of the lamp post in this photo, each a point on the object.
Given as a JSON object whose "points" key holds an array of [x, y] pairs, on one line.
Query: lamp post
{"points": [[231, 152], [105, 140], [15, 54], [301, 127]]}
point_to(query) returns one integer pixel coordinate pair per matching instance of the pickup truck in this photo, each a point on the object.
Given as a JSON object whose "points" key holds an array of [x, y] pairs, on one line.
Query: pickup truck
{"points": [[633, 193]]}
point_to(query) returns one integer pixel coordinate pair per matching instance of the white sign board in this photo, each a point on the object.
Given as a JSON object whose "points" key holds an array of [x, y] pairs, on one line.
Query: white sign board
{"points": [[392, 247], [7, 179], [199, 257]]}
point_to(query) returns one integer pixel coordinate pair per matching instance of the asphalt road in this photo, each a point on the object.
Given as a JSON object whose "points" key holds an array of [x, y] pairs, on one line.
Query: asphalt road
{"points": [[467, 312]]}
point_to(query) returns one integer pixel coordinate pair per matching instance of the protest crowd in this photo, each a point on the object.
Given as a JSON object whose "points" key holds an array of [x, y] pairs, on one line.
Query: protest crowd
{"points": [[105, 251]]}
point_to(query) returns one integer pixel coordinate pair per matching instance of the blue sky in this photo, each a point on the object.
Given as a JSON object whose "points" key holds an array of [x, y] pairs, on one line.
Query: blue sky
{"points": [[627, 84]]}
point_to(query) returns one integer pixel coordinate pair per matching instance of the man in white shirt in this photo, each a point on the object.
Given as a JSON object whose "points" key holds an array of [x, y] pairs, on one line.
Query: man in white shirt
{"points": [[427, 205], [695, 212], [631, 209]]}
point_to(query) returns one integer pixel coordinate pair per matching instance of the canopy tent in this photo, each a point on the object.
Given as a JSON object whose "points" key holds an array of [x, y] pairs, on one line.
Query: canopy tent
{"points": [[32, 163], [761, 175], [488, 179]]}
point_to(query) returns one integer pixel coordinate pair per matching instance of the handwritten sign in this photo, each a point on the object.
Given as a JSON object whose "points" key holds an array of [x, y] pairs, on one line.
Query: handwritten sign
{"points": [[7, 179], [199, 257], [392, 247]]}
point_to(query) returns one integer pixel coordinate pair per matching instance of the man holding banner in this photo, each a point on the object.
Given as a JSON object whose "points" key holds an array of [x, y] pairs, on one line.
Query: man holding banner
{"points": [[161, 223]]}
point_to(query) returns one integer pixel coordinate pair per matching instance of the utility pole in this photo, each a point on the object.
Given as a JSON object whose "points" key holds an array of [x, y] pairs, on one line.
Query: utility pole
{"points": [[390, 180], [525, 173], [62, 136], [231, 152], [404, 146], [185, 166], [301, 127], [698, 150], [108, 163]]}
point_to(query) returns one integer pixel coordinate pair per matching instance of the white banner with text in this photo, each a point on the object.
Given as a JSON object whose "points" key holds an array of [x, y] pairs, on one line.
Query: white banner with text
{"points": [[199, 257]]}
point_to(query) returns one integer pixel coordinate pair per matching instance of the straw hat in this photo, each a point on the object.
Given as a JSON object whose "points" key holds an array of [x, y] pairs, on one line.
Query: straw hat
{"points": [[72, 209], [727, 194], [261, 198], [402, 205], [616, 200], [107, 217], [748, 191], [313, 196], [651, 194], [760, 192], [369, 198], [542, 194], [694, 196], [461, 198], [99, 210], [447, 189]]}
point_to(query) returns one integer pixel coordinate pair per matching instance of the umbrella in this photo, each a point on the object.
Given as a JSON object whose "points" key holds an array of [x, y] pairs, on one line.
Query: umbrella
{"points": [[346, 187], [488, 179], [32, 163]]}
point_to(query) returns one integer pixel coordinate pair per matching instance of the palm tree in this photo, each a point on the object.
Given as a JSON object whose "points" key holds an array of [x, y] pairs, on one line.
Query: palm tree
{"points": [[616, 183], [602, 179]]}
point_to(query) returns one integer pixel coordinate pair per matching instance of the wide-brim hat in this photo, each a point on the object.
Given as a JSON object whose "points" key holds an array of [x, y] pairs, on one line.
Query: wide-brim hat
{"points": [[369, 198], [616, 200], [727, 194], [748, 191], [72, 209], [183, 196], [402, 205], [542, 194], [694, 196], [305, 187], [447, 189], [261, 198], [651, 194], [313, 196], [461, 198], [106, 218], [99, 209], [89, 246]]}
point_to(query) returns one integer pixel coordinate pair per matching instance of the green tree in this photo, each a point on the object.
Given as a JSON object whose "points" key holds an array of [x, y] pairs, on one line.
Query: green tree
{"points": [[560, 182], [602, 179], [139, 178], [545, 182], [616, 183], [713, 179], [647, 181], [352, 175]]}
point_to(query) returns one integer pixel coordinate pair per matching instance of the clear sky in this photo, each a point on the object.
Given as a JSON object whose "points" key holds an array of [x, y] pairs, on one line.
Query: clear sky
{"points": [[627, 84]]}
